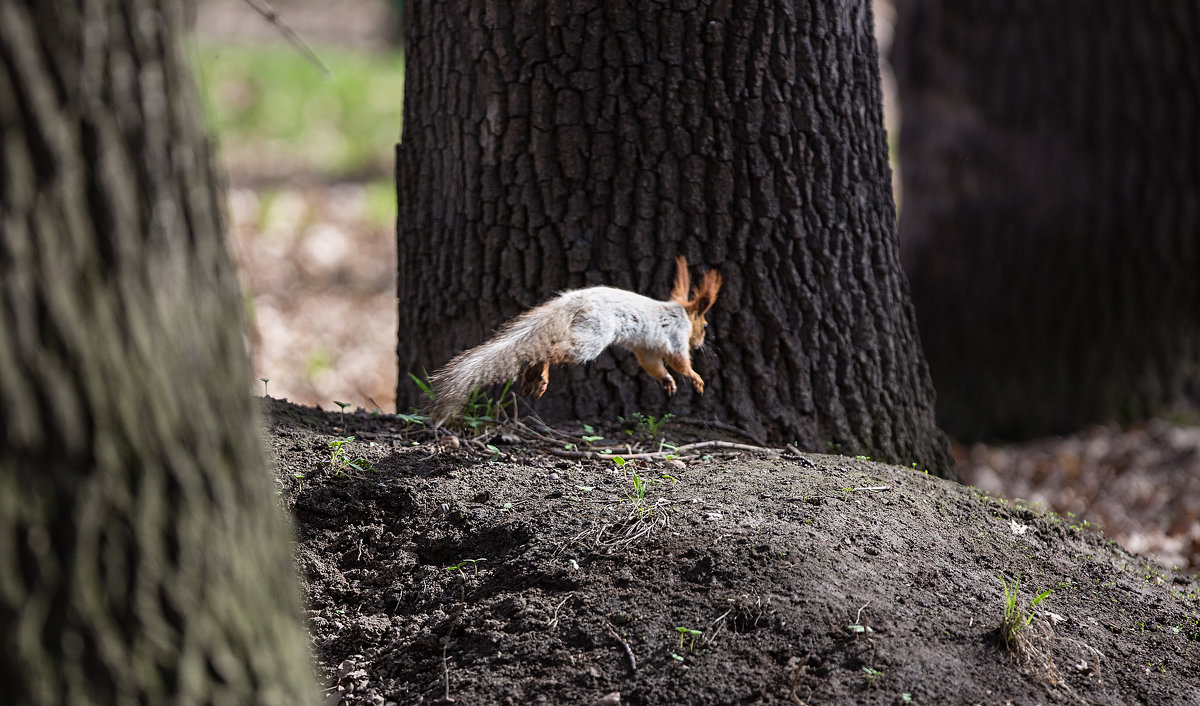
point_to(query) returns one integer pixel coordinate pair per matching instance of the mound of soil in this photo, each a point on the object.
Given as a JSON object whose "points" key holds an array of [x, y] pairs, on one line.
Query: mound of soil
{"points": [[512, 577]]}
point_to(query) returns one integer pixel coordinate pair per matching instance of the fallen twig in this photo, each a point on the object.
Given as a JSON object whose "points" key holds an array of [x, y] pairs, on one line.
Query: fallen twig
{"points": [[628, 649], [679, 452], [800, 668], [554, 619]]}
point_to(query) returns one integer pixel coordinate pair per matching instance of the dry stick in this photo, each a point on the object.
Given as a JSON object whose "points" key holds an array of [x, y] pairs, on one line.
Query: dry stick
{"points": [[596, 454], [537, 434], [628, 650], [268, 12], [534, 416], [800, 668], [446, 672], [554, 620], [663, 454], [724, 445], [715, 627], [858, 616]]}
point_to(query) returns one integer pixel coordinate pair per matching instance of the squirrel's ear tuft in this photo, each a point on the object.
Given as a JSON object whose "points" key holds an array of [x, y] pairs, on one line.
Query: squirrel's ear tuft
{"points": [[706, 291], [683, 281]]}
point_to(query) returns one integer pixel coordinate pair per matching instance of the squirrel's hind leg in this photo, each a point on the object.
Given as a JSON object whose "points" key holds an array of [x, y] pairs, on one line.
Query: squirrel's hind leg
{"points": [[534, 378]]}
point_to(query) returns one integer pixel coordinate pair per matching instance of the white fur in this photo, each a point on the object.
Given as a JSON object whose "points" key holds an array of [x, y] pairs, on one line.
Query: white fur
{"points": [[576, 327], [603, 316]]}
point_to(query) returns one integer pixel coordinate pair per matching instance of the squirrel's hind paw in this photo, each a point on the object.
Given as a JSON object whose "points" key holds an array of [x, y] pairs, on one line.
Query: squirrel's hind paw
{"points": [[534, 379]]}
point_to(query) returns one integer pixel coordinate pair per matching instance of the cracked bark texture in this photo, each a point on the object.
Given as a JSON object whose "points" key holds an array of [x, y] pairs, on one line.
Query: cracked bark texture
{"points": [[554, 145], [141, 557], [1051, 177]]}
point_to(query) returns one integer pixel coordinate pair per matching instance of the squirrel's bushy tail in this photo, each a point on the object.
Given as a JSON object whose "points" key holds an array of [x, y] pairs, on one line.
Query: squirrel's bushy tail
{"points": [[528, 338]]}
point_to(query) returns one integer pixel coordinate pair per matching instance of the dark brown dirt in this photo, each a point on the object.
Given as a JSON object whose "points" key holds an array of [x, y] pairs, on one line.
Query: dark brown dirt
{"points": [[813, 579]]}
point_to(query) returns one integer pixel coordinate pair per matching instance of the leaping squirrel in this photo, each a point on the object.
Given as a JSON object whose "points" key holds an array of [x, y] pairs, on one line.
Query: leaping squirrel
{"points": [[575, 327]]}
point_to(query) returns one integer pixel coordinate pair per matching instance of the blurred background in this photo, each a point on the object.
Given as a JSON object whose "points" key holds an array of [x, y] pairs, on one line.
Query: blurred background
{"points": [[312, 201], [307, 146]]}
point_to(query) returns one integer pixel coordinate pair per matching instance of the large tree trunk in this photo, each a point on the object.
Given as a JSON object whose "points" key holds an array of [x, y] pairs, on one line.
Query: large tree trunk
{"points": [[141, 560], [552, 145], [1051, 225]]}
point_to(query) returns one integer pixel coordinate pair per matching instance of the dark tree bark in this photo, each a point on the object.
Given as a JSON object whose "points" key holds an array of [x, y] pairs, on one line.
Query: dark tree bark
{"points": [[1050, 222], [141, 560], [551, 145]]}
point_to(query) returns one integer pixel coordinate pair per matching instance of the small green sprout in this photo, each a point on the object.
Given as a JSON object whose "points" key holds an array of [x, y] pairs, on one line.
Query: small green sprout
{"points": [[480, 410], [264, 382], [414, 418], [872, 675], [641, 486], [688, 632], [1017, 618], [459, 566], [650, 425], [343, 405], [340, 460]]}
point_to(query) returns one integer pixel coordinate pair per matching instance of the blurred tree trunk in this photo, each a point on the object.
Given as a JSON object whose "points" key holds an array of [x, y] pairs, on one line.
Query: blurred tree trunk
{"points": [[556, 145], [141, 560], [1051, 213]]}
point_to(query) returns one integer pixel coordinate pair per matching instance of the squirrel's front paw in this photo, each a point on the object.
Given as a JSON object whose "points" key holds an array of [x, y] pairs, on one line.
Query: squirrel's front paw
{"points": [[698, 383], [668, 384]]}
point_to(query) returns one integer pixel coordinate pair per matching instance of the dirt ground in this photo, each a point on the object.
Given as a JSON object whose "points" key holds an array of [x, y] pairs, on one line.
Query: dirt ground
{"points": [[511, 576]]}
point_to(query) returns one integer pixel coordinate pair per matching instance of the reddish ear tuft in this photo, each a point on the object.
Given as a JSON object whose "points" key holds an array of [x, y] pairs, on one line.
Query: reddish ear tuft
{"points": [[683, 281], [706, 292]]}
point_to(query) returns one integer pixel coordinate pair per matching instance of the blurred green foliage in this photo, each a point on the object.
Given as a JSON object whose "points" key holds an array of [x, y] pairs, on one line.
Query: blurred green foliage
{"points": [[274, 111]]}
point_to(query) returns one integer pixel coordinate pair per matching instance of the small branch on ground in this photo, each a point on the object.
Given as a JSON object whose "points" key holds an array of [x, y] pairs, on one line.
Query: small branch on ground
{"points": [[628, 649]]}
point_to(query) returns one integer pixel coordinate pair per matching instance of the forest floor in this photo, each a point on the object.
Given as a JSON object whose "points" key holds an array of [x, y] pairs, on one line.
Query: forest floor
{"points": [[511, 575]]}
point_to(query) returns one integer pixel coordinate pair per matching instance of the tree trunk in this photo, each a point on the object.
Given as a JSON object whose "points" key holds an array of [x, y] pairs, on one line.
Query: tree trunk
{"points": [[141, 560], [1050, 157], [552, 145]]}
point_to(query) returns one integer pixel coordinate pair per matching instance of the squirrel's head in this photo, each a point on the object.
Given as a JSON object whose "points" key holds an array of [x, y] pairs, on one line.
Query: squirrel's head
{"points": [[695, 300]]}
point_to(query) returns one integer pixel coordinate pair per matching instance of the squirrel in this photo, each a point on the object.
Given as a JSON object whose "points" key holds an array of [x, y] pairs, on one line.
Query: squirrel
{"points": [[575, 327]]}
